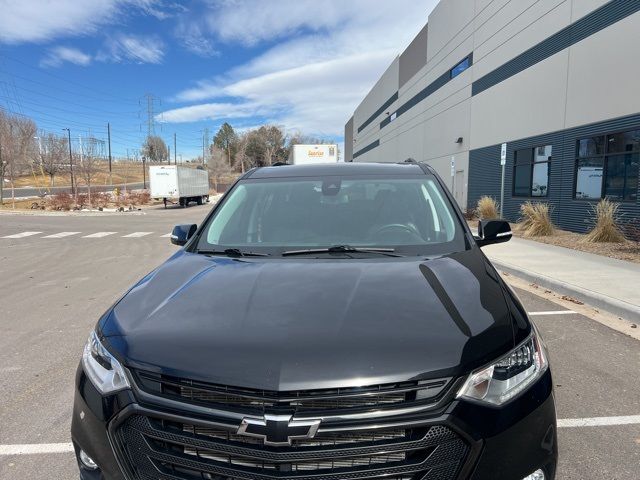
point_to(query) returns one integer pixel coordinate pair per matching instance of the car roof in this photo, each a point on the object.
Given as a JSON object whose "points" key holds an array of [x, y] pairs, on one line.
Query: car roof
{"points": [[342, 168]]}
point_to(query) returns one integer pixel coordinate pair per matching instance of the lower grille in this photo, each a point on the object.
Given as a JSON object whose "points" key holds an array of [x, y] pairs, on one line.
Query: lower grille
{"points": [[156, 449]]}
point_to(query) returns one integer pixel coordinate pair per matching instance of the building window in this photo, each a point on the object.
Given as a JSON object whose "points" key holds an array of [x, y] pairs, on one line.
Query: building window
{"points": [[461, 67], [607, 166], [531, 172]]}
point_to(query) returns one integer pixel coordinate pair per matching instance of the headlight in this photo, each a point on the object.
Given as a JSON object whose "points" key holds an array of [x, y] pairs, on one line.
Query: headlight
{"points": [[509, 376], [102, 368]]}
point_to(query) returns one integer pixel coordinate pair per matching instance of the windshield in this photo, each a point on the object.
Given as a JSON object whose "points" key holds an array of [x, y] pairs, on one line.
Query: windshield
{"points": [[408, 214]]}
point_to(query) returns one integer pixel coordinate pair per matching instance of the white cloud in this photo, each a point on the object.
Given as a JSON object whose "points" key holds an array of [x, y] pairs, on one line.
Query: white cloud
{"points": [[132, 48], [191, 36], [56, 56], [331, 55], [211, 111], [43, 20]]}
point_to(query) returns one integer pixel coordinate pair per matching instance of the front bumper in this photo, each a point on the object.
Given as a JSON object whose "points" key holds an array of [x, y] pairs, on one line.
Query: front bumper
{"points": [[505, 443]]}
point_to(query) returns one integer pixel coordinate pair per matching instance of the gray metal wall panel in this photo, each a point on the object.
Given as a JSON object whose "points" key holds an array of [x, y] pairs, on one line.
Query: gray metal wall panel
{"points": [[414, 57], [378, 112], [597, 20], [568, 213], [348, 141], [364, 150]]}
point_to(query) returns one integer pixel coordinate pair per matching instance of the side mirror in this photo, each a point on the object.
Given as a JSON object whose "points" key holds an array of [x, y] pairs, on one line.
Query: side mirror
{"points": [[182, 233], [493, 231]]}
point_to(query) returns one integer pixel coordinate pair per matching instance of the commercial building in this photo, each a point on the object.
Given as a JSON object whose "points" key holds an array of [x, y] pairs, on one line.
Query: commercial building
{"points": [[558, 81]]}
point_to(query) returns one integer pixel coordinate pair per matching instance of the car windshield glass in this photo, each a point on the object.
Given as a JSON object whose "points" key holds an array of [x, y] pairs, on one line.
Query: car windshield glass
{"points": [[409, 214]]}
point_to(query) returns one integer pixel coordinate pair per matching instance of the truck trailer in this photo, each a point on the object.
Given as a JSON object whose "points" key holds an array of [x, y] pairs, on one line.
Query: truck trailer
{"points": [[178, 184], [310, 154]]}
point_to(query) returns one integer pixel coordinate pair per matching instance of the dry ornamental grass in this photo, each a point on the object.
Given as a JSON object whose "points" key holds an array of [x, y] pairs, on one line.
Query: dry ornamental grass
{"points": [[487, 208], [606, 229], [536, 220]]}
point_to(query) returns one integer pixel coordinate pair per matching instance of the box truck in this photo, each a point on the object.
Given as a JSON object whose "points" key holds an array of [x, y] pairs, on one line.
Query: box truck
{"points": [[177, 184], [309, 154]]}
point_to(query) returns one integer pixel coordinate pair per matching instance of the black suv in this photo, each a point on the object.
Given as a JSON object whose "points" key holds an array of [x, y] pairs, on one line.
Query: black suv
{"points": [[326, 322]]}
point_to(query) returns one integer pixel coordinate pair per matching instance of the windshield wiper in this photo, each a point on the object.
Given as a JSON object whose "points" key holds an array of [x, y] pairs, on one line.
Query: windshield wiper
{"points": [[343, 249], [233, 252]]}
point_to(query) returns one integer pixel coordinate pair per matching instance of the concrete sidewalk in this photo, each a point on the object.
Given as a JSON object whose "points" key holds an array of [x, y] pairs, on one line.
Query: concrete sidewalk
{"points": [[605, 283]]}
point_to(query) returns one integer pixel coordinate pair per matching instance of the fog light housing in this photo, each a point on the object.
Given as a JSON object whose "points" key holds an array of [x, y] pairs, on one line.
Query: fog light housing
{"points": [[537, 475], [87, 461]]}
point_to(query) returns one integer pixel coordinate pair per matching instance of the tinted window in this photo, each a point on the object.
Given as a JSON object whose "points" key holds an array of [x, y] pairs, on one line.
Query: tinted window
{"points": [[612, 160], [589, 178], [622, 177], [624, 142], [588, 147], [531, 172], [459, 68], [282, 214]]}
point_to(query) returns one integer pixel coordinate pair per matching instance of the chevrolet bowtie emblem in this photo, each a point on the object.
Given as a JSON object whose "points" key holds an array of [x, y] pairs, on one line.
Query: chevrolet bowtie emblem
{"points": [[278, 429]]}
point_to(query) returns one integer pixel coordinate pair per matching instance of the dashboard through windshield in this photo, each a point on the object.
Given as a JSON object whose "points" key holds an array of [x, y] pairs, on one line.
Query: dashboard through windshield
{"points": [[410, 215]]}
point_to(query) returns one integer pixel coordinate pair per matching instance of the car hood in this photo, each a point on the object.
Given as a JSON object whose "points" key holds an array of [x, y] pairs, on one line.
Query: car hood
{"points": [[288, 324]]}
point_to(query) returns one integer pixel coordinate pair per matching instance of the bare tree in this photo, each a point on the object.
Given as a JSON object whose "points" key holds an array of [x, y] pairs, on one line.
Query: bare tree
{"points": [[155, 149], [218, 165], [52, 155], [88, 166], [240, 148], [17, 143]]}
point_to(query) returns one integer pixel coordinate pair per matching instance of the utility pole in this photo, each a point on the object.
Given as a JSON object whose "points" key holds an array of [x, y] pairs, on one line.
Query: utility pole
{"points": [[175, 154], [109, 137], [1, 177], [151, 125], [205, 145], [73, 188], [144, 173]]}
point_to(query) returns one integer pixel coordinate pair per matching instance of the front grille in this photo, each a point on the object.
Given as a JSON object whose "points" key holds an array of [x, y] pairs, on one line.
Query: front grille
{"points": [[256, 400], [153, 448]]}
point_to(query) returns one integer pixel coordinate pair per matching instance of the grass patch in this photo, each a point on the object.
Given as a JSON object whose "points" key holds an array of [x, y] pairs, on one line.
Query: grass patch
{"points": [[487, 208], [606, 229], [536, 220]]}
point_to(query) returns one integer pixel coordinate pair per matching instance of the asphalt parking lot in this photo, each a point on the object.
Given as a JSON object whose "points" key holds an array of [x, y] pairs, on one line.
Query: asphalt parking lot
{"points": [[59, 273]]}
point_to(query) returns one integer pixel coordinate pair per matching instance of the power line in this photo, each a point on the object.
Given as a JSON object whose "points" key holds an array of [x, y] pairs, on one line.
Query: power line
{"points": [[66, 79], [151, 120]]}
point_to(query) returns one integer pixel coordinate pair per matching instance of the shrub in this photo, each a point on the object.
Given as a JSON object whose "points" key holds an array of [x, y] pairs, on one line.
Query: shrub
{"points": [[536, 220], [487, 208], [82, 200], [138, 197], [606, 228], [60, 201], [100, 199]]}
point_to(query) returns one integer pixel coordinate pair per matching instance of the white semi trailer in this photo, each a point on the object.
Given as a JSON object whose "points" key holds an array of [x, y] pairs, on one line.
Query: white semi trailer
{"points": [[178, 184], [310, 154]]}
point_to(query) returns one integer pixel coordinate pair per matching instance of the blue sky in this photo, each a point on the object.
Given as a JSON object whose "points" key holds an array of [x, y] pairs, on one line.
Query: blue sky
{"points": [[302, 64]]}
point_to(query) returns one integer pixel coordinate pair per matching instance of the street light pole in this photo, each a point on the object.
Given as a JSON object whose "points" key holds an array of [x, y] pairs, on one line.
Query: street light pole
{"points": [[73, 188], [109, 136]]}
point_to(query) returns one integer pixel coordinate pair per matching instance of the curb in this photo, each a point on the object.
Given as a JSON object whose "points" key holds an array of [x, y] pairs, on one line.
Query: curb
{"points": [[614, 306]]}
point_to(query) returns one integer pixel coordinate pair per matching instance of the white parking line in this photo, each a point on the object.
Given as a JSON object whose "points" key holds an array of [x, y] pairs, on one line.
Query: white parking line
{"points": [[166, 235], [34, 448], [21, 235], [599, 421], [554, 312], [137, 234], [99, 234], [61, 235]]}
